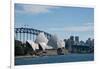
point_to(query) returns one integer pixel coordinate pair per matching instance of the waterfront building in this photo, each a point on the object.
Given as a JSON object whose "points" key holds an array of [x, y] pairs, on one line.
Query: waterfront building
{"points": [[60, 51], [88, 42], [82, 43], [92, 42], [76, 40], [72, 40], [69, 45], [66, 43]]}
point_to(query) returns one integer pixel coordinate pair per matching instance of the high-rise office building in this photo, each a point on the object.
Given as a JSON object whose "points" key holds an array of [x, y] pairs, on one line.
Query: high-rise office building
{"points": [[88, 42], [76, 40], [92, 42], [72, 40], [69, 45]]}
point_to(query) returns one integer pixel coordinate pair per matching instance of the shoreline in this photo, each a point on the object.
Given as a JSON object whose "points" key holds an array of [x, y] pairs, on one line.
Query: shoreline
{"points": [[34, 56]]}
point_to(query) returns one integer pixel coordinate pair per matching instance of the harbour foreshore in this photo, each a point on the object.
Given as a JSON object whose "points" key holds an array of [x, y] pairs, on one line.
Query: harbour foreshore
{"points": [[50, 52]]}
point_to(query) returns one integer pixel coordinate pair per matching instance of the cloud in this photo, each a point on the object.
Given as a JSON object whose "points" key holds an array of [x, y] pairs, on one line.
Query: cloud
{"points": [[81, 28], [33, 9], [89, 24]]}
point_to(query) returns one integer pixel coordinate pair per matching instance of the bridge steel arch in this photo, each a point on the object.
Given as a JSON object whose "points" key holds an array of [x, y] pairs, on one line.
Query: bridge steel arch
{"points": [[24, 34]]}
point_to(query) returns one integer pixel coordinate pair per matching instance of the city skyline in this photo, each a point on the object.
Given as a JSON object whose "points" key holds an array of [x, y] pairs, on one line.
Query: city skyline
{"points": [[61, 20]]}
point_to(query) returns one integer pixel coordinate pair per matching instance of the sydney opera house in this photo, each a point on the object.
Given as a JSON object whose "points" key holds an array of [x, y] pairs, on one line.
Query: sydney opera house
{"points": [[41, 46]]}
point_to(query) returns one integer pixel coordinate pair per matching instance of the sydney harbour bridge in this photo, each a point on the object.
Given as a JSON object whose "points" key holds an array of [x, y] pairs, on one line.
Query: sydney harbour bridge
{"points": [[24, 34]]}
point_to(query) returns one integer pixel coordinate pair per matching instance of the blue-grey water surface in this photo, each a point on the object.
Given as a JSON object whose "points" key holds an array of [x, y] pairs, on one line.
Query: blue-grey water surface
{"points": [[54, 59]]}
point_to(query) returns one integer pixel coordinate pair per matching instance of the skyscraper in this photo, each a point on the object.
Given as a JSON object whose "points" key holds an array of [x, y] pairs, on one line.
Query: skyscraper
{"points": [[72, 40], [69, 45], [89, 42], [76, 40]]}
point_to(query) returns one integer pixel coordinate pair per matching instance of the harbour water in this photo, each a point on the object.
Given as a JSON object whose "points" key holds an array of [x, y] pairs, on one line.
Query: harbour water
{"points": [[54, 59]]}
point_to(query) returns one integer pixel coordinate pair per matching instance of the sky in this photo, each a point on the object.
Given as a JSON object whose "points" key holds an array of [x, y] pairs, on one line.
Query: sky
{"points": [[63, 21]]}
